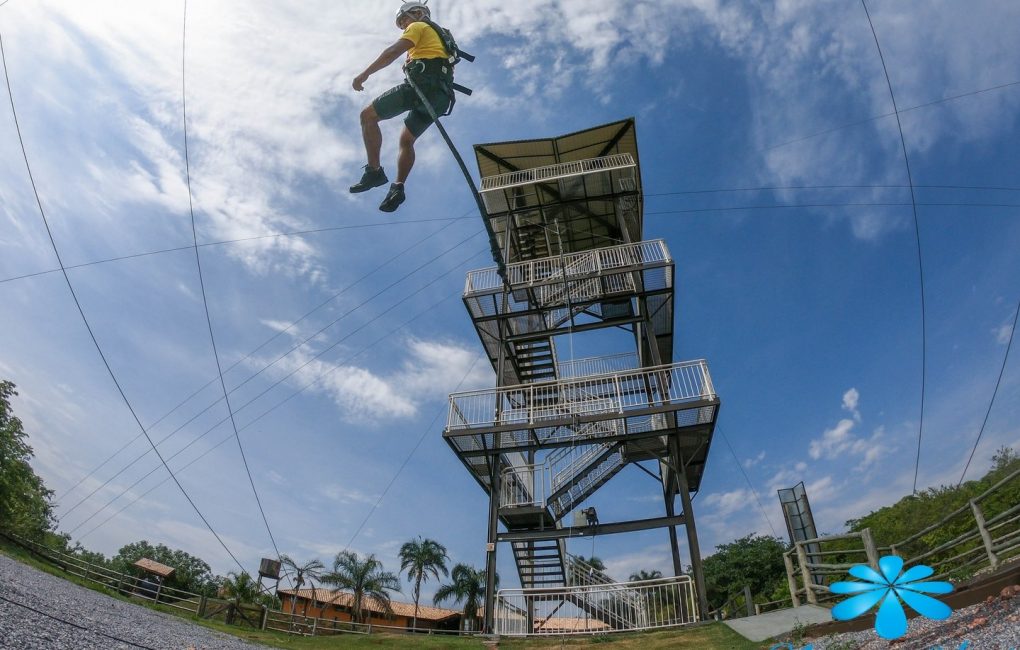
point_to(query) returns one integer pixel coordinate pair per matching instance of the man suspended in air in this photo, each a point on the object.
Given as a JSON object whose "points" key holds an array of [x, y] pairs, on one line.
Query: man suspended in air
{"points": [[429, 64]]}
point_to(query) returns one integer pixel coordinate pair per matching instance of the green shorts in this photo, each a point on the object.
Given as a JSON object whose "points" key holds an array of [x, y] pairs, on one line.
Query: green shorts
{"points": [[402, 98]]}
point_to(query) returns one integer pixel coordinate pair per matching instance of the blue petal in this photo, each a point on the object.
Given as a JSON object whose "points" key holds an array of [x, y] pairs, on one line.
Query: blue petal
{"points": [[865, 572], [853, 587], [891, 566], [925, 605], [854, 607], [891, 622], [933, 587], [915, 573]]}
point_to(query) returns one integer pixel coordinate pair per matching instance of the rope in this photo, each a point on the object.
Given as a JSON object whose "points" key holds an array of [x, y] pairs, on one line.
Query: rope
{"points": [[917, 234], [995, 392], [497, 257]]}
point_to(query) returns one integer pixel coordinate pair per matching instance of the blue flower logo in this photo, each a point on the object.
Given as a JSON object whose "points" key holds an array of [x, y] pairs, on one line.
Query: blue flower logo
{"points": [[889, 588]]}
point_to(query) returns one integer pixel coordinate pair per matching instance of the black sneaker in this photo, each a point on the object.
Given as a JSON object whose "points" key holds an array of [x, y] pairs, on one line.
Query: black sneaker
{"points": [[371, 178], [393, 198]]}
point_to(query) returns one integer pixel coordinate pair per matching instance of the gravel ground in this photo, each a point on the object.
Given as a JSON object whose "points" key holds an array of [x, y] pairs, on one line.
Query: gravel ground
{"points": [[99, 614], [992, 625]]}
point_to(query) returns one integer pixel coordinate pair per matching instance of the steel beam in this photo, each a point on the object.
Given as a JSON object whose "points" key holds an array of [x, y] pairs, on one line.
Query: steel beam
{"points": [[588, 531]]}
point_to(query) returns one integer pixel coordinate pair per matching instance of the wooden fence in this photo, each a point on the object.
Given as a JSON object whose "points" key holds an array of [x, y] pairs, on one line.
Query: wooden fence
{"points": [[984, 533]]}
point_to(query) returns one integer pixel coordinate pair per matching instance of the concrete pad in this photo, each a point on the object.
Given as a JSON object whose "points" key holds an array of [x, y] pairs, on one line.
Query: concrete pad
{"points": [[770, 624]]}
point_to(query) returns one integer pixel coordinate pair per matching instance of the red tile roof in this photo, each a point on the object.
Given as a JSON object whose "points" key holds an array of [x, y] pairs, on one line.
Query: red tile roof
{"points": [[344, 599]]}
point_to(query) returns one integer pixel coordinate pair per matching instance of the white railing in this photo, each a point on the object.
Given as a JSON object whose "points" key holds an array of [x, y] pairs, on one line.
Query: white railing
{"points": [[532, 484], [581, 488], [523, 486], [528, 405], [556, 172], [581, 573], [550, 270], [596, 365], [596, 609]]}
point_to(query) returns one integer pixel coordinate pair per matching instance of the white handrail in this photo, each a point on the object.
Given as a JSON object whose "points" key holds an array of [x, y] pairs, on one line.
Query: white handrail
{"points": [[549, 271], [596, 609], [555, 172], [530, 404]]}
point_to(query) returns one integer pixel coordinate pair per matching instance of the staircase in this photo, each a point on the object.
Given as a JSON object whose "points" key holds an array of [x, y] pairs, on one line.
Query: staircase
{"points": [[584, 476], [536, 360], [613, 603], [541, 563]]}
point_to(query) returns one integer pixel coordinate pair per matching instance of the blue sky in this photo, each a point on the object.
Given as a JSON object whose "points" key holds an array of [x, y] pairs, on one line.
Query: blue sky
{"points": [[809, 316]]}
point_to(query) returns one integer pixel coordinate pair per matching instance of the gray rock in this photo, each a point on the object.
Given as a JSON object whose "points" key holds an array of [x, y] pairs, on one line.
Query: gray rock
{"points": [[72, 617]]}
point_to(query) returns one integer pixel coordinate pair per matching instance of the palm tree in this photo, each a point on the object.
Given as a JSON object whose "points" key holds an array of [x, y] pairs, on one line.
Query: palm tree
{"points": [[240, 588], [362, 578], [421, 558], [594, 562], [311, 570], [468, 585], [645, 575]]}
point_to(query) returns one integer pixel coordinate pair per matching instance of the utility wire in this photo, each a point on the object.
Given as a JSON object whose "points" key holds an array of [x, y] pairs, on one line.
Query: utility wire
{"points": [[905, 110], [995, 392], [241, 240], [70, 623], [775, 188], [300, 233], [337, 365], [201, 279], [788, 206], [245, 358], [288, 376], [292, 349], [753, 491], [407, 459], [85, 320], [917, 234]]}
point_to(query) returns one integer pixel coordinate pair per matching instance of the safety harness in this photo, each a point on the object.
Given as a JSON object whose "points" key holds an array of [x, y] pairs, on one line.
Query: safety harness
{"points": [[441, 69]]}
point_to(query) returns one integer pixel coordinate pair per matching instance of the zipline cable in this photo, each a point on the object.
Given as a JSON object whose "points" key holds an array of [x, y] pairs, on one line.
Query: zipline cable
{"points": [[337, 365], [748, 480], [288, 376], [917, 234], [201, 278], [245, 358], [407, 459], [300, 233], [85, 320], [241, 240], [266, 367], [905, 110], [995, 392]]}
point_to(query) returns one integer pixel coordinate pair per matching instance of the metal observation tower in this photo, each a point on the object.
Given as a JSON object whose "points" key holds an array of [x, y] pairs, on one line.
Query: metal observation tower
{"points": [[566, 217]]}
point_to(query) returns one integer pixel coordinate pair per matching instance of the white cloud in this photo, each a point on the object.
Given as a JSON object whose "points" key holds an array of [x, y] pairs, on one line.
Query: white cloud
{"points": [[751, 462], [1003, 333], [833, 442], [850, 400], [342, 494], [726, 503]]}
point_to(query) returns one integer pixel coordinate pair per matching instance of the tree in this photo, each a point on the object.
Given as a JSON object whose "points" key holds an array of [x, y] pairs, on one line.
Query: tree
{"points": [[467, 586], [755, 561], [594, 562], [191, 574], [645, 575], [363, 578], [24, 500], [240, 588], [422, 558], [310, 570]]}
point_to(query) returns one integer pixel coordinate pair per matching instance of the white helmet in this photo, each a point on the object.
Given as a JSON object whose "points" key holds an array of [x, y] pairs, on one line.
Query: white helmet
{"points": [[413, 6]]}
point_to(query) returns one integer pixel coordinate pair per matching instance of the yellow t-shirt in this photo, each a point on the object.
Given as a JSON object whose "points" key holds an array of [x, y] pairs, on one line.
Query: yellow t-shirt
{"points": [[426, 42]]}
